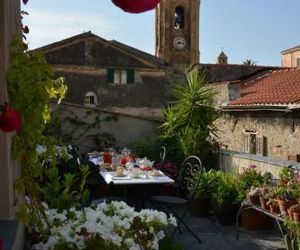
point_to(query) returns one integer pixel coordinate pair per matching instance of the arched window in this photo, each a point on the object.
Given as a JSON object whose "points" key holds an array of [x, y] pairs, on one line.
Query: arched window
{"points": [[90, 99], [179, 18]]}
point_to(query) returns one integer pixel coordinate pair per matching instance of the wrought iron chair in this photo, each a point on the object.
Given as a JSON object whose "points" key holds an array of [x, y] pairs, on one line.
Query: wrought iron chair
{"points": [[166, 203], [162, 156]]}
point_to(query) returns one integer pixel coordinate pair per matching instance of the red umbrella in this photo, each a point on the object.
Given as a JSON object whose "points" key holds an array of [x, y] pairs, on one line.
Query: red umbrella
{"points": [[136, 6]]}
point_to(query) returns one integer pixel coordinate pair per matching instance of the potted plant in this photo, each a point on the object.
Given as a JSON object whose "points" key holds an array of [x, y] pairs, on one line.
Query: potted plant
{"points": [[248, 183], [225, 198], [201, 186], [286, 197], [295, 211]]}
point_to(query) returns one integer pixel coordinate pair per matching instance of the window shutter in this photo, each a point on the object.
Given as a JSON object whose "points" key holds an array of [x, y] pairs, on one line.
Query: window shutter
{"points": [[246, 143], [259, 146], [110, 75], [130, 76]]}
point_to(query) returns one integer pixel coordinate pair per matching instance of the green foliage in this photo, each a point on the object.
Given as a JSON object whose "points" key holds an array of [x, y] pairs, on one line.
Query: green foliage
{"points": [[191, 116], [225, 192], [292, 239], [205, 180], [31, 88], [151, 148], [60, 191], [250, 62], [286, 174], [249, 178]]}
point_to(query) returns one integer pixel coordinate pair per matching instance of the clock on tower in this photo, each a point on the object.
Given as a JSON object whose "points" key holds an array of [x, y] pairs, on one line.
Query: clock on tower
{"points": [[177, 32]]}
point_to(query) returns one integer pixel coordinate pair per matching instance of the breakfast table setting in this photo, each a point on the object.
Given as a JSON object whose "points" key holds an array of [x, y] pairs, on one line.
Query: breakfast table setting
{"points": [[127, 171]]}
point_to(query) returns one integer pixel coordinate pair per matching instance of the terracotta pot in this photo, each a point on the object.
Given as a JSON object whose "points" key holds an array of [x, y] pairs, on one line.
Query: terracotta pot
{"points": [[284, 205], [274, 208], [296, 217], [290, 213], [199, 207], [252, 219], [254, 199], [263, 203]]}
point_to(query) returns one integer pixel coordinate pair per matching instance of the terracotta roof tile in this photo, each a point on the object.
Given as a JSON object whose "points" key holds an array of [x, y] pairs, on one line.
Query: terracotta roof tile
{"points": [[278, 87]]}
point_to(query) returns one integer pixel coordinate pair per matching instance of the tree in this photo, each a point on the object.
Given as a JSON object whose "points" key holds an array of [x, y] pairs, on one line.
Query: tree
{"points": [[250, 62], [191, 116]]}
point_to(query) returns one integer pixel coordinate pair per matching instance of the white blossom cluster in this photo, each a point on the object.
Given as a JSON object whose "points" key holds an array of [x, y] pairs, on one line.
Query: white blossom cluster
{"points": [[113, 222]]}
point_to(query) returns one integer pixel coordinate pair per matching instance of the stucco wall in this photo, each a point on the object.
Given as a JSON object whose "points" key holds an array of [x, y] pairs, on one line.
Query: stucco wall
{"points": [[237, 162], [126, 128], [290, 59]]}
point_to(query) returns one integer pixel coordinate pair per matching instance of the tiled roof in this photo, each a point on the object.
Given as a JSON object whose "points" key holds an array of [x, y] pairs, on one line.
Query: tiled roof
{"points": [[231, 72], [278, 87], [141, 54]]}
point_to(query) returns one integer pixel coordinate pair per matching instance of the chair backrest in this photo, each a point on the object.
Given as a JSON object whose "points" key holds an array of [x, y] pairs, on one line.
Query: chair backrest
{"points": [[188, 167], [162, 156]]}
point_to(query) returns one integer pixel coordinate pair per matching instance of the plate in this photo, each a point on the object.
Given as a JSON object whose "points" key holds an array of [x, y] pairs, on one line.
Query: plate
{"points": [[124, 177]]}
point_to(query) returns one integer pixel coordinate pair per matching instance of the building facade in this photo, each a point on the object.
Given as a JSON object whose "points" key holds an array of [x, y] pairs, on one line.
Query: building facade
{"points": [[291, 57], [261, 115]]}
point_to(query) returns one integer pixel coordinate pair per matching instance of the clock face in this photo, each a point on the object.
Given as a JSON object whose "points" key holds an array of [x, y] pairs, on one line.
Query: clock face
{"points": [[179, 42]]}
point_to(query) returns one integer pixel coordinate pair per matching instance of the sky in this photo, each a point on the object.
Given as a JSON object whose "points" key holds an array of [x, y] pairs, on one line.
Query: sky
{"points": [[245, 29]]}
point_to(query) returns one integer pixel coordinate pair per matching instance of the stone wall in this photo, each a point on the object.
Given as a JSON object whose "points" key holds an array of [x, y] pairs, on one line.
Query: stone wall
{"points": [[237, 162], [281, 131]]}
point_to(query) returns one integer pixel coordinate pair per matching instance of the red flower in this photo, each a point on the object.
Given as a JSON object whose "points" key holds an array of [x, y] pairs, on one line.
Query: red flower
{"points": [[10, 119], [136, 6]]}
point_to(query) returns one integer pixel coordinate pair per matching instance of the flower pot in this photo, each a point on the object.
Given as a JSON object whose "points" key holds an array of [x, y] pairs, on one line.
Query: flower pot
{"points": [[227, 216], [263, 203], [252, 219], [200, 207], [254, 199], [296, 217], [284, 205], [274, 209], [290, 213]]}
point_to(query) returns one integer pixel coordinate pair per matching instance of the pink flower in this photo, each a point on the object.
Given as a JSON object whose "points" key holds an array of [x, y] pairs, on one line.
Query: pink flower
{"points": [[252, 165]]}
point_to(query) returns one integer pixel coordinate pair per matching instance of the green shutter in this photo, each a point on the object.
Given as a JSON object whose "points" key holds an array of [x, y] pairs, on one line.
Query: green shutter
{"points": [[110, 75], [130, 75]]}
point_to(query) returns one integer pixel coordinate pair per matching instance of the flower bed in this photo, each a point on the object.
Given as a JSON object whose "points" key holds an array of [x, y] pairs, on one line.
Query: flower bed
{"points": [[106, 226]]}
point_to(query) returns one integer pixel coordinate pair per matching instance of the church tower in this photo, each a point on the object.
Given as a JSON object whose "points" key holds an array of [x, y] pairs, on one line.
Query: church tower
{"points": [[177, 32]]}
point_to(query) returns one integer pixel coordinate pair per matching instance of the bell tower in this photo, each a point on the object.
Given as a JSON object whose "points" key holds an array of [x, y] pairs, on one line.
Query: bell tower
{"points": [[177, 32]]}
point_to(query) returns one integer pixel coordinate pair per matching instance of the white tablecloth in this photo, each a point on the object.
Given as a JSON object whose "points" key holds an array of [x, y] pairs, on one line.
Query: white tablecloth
{"points": [[127, 180]]}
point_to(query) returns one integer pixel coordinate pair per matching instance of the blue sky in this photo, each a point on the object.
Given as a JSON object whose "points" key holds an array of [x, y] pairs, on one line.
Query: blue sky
{"points": [[256, 29]]}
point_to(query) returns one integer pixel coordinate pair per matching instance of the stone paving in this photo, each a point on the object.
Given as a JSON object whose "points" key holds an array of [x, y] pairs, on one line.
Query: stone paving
{"points": [[215, 236]]}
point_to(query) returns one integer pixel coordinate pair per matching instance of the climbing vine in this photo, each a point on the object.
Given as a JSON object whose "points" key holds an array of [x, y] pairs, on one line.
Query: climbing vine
{"points": [[31, 87]]}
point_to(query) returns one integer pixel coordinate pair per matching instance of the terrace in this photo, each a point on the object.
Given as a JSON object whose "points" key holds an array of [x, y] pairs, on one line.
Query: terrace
{"points": [[61, 185]]}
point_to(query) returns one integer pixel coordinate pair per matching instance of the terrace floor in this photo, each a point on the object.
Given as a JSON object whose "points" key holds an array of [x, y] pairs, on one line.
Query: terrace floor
{"points": [[215, 236]]}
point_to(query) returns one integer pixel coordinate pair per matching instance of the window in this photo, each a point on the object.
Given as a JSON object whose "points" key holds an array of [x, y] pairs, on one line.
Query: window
{"points": [[120, 76], [179, 18], [90, 99], [254, 144], [298, 62]]}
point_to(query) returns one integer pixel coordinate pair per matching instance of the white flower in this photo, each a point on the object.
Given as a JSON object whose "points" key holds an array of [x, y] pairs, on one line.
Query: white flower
{"points": [[111, 221], [40, 149]]}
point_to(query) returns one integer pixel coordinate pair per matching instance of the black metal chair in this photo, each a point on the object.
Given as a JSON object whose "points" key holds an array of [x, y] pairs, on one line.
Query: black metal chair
{"points": [[162, 156], [167, 203]]}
